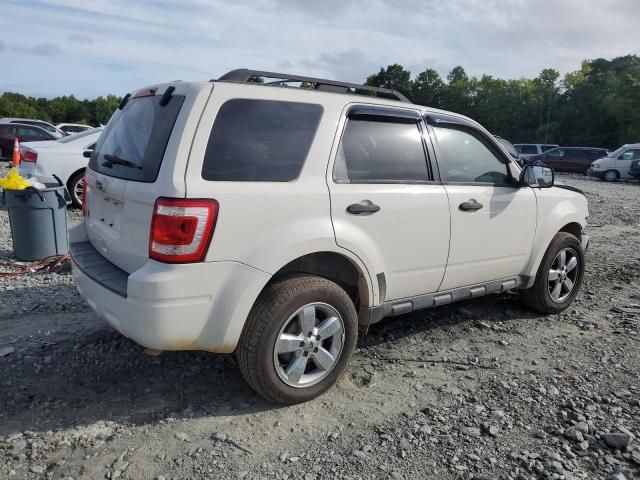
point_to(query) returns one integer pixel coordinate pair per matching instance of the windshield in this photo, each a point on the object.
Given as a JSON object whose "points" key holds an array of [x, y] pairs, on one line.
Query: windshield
{"points": [[78, 136], [615, 153], [133, 143]]}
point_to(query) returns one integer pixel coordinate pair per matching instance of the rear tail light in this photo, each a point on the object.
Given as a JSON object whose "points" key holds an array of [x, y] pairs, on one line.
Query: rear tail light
{"points": [[181, 229], [27, 155]]}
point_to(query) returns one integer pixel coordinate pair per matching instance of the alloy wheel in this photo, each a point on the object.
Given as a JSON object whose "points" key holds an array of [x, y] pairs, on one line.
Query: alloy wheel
{"points": [[563, 275], [309, 345]]}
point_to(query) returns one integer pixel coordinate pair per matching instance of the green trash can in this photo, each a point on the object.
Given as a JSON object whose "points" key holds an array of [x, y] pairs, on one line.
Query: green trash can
{"points": [[38, 220]]}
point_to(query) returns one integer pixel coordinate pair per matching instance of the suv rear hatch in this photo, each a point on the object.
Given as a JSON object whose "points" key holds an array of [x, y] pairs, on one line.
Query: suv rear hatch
{"points": [[141, 155]]}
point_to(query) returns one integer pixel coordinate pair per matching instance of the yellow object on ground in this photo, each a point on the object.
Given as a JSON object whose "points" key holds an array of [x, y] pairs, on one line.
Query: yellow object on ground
{"points": [[14, 181]]}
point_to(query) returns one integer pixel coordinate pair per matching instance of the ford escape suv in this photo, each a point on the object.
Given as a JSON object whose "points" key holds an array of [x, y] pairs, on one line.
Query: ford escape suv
{"points": [[277, 222]]}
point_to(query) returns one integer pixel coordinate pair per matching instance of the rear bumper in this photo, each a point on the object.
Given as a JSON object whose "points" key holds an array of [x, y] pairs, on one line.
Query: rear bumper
{"points": [[597, 174], [201, 306]]}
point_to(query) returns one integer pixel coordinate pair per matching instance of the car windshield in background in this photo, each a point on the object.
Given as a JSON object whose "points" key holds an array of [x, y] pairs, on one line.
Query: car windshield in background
{"points": [[133, 143], [78, 136], [615, 153]]}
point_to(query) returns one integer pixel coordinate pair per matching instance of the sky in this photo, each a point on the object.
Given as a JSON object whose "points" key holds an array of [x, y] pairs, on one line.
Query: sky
{"points": [[96, 47]]}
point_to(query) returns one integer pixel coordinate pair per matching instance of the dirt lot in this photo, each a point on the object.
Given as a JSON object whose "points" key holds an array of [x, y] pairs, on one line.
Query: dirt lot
{"points": [[484, 389]]}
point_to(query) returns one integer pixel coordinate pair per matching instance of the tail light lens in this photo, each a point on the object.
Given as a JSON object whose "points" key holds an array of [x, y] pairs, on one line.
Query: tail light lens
{"points": [[28, 155], [181, 229]]}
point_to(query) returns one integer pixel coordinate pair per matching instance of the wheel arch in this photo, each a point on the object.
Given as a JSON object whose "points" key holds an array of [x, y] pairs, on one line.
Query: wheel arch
{"points": [[568, 226], [340, 268]]}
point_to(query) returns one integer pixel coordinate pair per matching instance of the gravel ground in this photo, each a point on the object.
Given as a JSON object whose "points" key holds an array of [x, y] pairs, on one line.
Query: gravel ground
{"points": [[484, 389]]}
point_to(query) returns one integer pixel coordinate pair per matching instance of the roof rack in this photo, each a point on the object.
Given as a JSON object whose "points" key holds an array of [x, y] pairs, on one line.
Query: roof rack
{"points": [[244, 75]]}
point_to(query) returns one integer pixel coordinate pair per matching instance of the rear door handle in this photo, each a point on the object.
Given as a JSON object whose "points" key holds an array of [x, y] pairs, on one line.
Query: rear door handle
{"points": [[365, 206], [470, 205]]}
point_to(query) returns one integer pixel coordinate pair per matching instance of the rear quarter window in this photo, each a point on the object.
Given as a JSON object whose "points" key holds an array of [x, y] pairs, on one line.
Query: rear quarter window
{"points": [[260, 140]]}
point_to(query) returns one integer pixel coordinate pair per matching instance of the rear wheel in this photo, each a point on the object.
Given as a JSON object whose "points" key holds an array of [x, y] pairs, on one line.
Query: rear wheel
{"points": [[559, 276], [75, 188], [1, 154], [611, 176], [298, 339]]}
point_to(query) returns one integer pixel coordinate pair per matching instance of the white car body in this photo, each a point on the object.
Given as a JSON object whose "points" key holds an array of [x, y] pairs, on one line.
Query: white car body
{"points": [[615, 166], [419, 250], [63, 158]]}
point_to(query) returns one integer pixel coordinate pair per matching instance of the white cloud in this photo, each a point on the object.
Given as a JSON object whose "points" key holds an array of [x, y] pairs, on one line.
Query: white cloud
{"points": [[117, 45]]}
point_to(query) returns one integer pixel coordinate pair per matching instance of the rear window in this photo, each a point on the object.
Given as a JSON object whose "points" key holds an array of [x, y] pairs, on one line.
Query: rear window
{"points": [[260, 140], [132, 145]]}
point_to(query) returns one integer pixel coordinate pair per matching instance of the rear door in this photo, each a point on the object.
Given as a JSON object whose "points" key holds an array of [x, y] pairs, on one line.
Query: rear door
{"points": [[493, 219], [386, 206], [141, 155]]}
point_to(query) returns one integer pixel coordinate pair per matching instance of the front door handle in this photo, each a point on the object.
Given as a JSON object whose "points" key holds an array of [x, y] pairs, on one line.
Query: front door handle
{"points": [[365, 206], [470, 205]]}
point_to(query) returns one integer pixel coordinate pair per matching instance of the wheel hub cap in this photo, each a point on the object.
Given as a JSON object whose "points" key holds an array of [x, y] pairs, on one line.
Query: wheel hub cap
{"points": [[563, 275], [309, 345]]}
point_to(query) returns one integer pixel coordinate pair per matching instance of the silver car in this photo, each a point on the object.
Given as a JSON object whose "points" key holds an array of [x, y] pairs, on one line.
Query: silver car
{"points": [[616, 164]]}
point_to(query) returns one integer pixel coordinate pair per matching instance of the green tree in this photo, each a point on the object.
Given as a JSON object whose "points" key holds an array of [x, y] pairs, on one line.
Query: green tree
{"points": [[428, 89], [394, 76]]}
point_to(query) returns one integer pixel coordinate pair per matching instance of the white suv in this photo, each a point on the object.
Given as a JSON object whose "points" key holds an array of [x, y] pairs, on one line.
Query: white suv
{"points": [[236, 216]]}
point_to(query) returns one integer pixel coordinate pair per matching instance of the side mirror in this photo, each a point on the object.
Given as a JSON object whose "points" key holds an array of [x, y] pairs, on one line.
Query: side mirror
{"points": [[539, 176], [621, 157], [87, 153]]}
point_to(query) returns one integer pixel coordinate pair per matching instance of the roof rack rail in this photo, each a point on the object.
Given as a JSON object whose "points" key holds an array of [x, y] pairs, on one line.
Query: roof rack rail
{"points": [[244, 75]]}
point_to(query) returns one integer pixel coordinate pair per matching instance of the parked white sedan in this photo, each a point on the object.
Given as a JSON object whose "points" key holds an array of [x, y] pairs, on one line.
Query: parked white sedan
{"points": [[65, 158]]}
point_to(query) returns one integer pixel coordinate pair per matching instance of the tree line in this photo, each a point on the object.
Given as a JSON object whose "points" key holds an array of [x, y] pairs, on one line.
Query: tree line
{"points": [[67, 109], [597, 105]]}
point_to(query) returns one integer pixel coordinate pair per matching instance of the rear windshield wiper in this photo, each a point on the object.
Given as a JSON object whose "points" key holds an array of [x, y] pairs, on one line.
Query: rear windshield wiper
{"points": [[112, 159]]}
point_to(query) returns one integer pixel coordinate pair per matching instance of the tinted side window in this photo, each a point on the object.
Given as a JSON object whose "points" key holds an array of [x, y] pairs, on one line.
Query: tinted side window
{"points": [[631, 155], [260, 140], [547, 147], [555, 152], [528, 149], [465, 156], [373, 151]]}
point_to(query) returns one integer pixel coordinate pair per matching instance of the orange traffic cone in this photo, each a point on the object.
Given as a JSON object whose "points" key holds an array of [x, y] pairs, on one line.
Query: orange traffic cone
{"points": [[16, 153]]}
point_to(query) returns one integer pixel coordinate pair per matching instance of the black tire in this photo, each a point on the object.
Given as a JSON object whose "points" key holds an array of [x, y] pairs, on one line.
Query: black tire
{"points": [[1, 154], [614, 177], [538, 296], [77, 177], [272, 310]]}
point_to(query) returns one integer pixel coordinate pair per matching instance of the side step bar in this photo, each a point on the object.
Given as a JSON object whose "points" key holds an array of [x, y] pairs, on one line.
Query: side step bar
{"points": [[437, 299]]}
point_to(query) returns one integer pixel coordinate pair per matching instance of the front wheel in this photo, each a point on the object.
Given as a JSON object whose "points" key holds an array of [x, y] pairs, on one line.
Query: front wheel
{"points": [[611, 176], [298, 339], [559, 276]]}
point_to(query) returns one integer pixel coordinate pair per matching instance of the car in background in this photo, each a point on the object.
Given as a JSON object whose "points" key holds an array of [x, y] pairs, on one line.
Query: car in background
{"points": [[526, 150], [569, 159], [617, 164], [511, 150], [38, 123], [24, 133], [71, 128], [65, 158]]}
